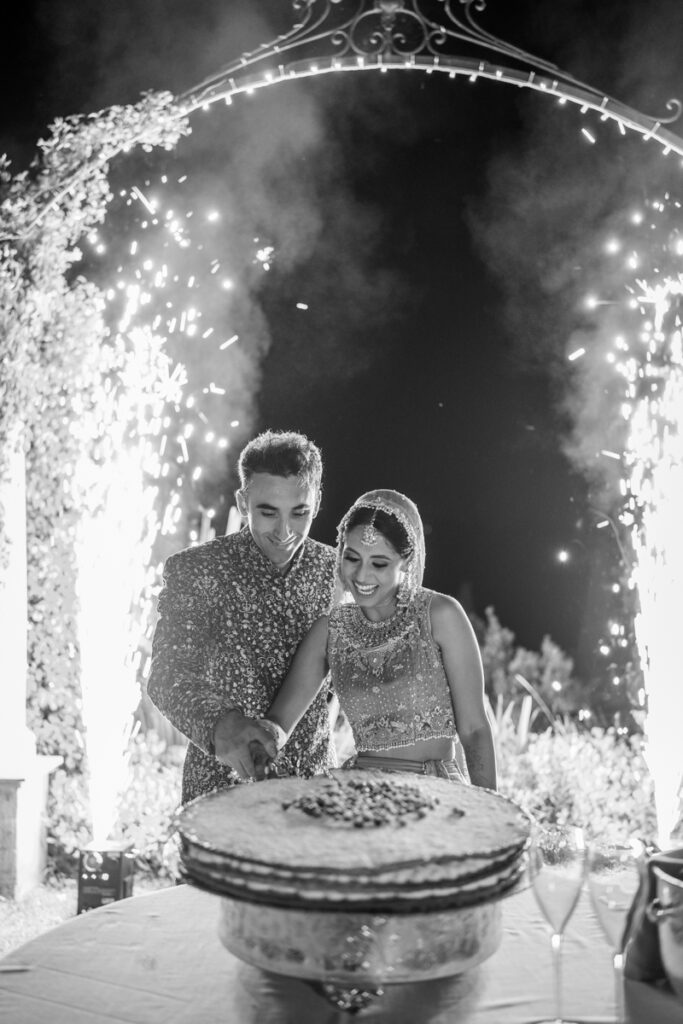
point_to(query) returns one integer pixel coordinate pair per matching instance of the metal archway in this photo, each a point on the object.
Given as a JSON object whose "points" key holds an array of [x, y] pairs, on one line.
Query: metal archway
{"points": [[330, 36]]}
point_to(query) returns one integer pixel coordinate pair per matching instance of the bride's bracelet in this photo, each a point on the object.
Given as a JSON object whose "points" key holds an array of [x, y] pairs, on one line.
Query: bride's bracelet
{"points": [[275, 730]]}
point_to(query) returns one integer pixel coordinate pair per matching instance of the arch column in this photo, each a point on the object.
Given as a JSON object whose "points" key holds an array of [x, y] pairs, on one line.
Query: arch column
{"points": [[23, 773]]}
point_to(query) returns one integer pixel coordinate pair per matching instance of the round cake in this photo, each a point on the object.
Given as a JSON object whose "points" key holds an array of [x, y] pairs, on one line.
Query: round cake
{"points": [[368, 839], [358, 878]]}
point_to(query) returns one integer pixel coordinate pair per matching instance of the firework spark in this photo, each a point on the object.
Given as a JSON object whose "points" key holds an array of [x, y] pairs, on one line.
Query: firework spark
{"points": [[653, 514], [635, 364], [150, 445]]}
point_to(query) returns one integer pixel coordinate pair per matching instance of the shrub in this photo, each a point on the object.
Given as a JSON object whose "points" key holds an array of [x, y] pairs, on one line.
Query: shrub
{"points": [[145, 810], [68, 821], [549, 673], [597, 778], [150, 801]]}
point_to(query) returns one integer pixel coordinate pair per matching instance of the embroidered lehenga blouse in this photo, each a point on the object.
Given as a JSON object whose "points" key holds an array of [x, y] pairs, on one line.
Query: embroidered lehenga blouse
{"points": [[229, 625], [389, 676]]}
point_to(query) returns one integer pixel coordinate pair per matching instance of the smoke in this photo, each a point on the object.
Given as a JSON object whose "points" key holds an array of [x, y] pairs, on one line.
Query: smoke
{"points": [[104, 54], [277, 171], [648, 55], [554, 226], [554, 201]]}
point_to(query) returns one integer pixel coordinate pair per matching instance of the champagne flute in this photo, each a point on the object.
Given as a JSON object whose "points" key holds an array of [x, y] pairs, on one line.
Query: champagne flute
{"points": [[613, 879], [558, 867]]}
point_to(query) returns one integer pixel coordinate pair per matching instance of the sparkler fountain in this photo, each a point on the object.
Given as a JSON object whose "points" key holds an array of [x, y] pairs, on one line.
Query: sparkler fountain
{"points": [[636, 357], [116, 531], [146, 448], [116, 534], [653, 461]]}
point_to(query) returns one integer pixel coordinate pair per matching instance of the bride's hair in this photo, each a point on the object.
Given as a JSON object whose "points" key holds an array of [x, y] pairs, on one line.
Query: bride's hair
{"points": [[391, 529]]}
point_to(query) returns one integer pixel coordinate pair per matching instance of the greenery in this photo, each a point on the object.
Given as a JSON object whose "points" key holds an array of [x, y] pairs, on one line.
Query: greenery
{"points": [[550, 760], [150, 802], [594, 778], [549, 672], [511, 671], [145, 812], [63, 380]]}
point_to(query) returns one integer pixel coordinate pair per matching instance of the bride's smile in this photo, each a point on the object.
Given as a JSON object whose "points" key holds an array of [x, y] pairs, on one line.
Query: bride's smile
{"points": [[371, 572]]}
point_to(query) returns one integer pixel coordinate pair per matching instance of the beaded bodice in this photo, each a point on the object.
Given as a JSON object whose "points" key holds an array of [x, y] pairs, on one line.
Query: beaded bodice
{"points": [[389, 676]]}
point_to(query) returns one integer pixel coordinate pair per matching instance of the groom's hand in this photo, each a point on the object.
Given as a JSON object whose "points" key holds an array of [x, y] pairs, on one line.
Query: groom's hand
{"points": [[261, 758], [243, 745]]}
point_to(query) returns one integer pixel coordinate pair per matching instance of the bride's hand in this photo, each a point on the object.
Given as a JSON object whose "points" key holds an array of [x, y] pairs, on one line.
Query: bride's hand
{"points": [[276, 731], [243, 745]]}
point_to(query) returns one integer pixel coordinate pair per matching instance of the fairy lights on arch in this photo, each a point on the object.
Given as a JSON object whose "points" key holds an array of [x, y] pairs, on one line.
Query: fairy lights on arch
{"points": [[432, 36]]}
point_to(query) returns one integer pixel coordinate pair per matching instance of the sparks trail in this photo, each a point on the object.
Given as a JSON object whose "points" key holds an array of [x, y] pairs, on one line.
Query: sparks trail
{"points": [[637, 353], [173, 399]]}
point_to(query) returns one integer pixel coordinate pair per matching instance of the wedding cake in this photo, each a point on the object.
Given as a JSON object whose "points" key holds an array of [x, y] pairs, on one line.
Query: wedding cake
{"points": [[357, 874]]}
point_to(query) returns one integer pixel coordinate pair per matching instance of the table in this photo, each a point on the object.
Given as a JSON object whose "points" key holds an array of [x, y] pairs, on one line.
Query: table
{"points": [[157, 959]]}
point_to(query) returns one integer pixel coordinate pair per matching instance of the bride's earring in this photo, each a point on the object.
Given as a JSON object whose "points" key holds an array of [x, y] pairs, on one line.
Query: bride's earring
{"points": [[403, 592]]}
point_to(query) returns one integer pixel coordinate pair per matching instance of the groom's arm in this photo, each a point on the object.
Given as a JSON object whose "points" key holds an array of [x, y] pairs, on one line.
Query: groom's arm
{"points": [[242, 743], [179, 683]]}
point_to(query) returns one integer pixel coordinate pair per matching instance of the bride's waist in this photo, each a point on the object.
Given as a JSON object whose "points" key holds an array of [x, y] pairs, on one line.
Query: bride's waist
{"points": [[438, 749]]}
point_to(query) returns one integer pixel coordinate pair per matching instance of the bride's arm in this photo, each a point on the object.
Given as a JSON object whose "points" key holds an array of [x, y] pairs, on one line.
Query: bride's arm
{"points": [[455, 637], [303, 681]]}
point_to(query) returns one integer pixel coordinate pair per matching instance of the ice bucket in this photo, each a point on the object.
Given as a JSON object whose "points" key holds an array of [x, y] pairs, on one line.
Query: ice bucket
{"points": [[666, 910]]}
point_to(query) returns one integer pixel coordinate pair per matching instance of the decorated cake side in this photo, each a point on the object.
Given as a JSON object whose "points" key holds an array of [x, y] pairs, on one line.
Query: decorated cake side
{"points": [[359, 877]]}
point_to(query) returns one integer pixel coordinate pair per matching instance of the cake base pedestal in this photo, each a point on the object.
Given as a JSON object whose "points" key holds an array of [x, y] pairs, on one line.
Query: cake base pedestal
{"points": [[350, 1000], [360, 951]]}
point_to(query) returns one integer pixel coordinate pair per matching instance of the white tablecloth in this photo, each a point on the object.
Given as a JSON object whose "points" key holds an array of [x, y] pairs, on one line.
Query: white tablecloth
{"points": [[157, 959]]}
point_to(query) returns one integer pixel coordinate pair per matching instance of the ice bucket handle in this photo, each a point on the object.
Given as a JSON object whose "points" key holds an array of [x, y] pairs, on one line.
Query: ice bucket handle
{"points": [[657, 911]]}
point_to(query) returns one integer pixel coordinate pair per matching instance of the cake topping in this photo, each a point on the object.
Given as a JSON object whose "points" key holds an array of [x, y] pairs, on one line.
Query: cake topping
{"points": [[244, 840], [366, 803]]}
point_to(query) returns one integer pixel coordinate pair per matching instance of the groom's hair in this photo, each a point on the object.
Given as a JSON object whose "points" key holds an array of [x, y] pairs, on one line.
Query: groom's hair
{"points": [[281, 453]]}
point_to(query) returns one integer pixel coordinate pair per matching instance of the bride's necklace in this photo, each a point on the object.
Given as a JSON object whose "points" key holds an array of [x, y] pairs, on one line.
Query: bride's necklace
{"points": [[363, 633]]}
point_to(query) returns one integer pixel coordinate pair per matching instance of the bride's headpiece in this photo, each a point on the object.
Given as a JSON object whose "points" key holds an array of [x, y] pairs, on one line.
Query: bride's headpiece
{"points": [[395, 504]]}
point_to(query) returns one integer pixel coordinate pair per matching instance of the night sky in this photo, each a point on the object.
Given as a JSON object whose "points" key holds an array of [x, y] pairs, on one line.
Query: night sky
{"points": [[440, 234]]}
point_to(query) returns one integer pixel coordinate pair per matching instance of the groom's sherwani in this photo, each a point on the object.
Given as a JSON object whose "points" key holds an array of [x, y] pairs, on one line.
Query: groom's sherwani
{"points": [[229, 624]]}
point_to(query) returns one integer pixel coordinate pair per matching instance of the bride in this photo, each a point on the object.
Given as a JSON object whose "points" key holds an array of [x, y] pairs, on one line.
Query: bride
{"points": [[403, 660]]}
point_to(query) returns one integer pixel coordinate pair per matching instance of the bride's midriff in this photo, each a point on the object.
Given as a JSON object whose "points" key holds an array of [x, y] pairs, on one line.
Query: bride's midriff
{"points": [[440, 749]]}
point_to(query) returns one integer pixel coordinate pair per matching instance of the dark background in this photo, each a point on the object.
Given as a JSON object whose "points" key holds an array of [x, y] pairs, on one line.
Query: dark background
{"points": [[441, 234]]}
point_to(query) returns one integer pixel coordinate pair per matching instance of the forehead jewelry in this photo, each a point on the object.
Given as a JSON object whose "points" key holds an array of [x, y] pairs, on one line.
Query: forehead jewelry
{"points": [[369, 536]]}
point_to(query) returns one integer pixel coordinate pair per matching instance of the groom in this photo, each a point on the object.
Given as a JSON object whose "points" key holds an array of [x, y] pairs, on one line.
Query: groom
{"points": [[232, 613]]}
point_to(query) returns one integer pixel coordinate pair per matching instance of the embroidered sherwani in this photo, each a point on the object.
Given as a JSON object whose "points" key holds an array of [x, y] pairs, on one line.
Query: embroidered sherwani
{"points": [[229, 624]]}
